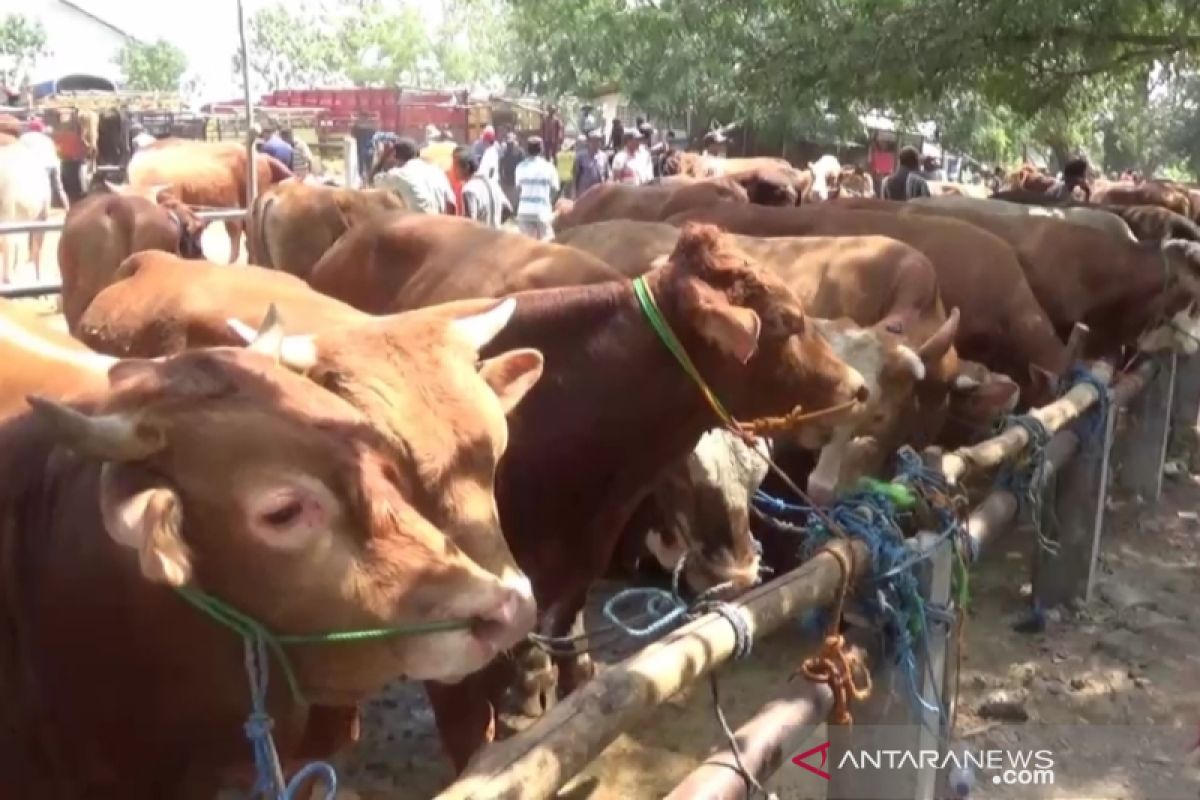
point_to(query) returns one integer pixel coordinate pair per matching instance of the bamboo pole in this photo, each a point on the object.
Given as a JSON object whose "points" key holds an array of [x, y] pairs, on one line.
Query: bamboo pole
{"points": [[1054, 416], [539, 761], [251, 170]]}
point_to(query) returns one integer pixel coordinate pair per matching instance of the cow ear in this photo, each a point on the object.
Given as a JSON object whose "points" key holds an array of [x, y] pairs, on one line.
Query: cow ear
{"points": [[140, 513], [512, 374], [733, 329], [998, 396]]}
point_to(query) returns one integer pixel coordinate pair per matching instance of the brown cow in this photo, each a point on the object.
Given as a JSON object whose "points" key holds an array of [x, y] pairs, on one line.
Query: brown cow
{"points": [[35, 358], [404, 261], [160, 304], [205, 174], [1002, 326], [219, 471], [652, 203], [293, 224], [1120, 290], [1147, 193], [103, 230]]}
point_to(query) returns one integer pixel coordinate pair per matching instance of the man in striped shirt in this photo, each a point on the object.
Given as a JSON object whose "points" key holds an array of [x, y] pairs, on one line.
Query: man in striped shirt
{"points": [[537, 182]]}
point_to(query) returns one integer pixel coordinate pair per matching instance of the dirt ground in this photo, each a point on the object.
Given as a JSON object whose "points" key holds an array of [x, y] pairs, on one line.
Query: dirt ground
{"points": [[1112, 688]]}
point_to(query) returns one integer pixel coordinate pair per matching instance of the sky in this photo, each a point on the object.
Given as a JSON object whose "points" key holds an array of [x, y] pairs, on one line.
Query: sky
{"points": [[206, 31]]}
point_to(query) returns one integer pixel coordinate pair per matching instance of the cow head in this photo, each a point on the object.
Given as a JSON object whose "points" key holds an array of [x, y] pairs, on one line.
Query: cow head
{"points": [[1181, 294], [191, 227], [750, 338], [223, 472], [979, 401], [768, 187], [419, 379], [703, 512]]}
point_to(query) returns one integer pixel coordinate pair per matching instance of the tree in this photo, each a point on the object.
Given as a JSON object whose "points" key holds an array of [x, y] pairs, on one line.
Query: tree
{"points": [[288, 46], [157, 66], [22, 42]]}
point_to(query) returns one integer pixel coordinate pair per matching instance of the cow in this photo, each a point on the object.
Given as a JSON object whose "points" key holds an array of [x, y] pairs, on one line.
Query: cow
{"points": [[24, 197], [220, 471], [1120, 290], [293, 224], [35, 358], [874, 282], [1031, 179], [1096, 218], [102, 230], [952, 189], [405, 261], [161, 304], [1147, 193], [1002, 326], [648, 203], [205, 174], [827, 174], [855, 182], [1147, 223]]}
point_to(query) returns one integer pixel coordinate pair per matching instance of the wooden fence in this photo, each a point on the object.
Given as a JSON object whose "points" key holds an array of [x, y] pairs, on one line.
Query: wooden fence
{"points": [[1161, 392]]}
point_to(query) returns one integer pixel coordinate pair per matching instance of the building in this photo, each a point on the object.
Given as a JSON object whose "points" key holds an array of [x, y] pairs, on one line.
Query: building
{"points": [[80, 40]]}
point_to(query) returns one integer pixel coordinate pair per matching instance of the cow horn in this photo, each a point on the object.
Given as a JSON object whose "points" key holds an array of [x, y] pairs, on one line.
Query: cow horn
{"points": [[298, 353], [109, 437], [912, 360], [269, 338], [480, 329], [940, 342]]}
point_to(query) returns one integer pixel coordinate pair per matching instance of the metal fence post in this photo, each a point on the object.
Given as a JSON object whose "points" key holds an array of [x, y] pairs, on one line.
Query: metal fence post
{"points": [[1142, 449]]}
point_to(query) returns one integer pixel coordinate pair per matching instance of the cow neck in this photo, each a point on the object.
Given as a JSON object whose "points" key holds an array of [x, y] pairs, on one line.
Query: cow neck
{"points": [[1132, 302]]}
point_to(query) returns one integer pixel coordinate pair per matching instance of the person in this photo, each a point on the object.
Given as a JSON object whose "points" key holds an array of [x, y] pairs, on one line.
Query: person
{"points": [[458, 173], [906, 182], [1074, 175], [617, 140], [487, 138], [996, 181], [933, 169], [482, 198], [591, 166], [552, 133], [302, 160], [537, 181], [363, 132], [628, 167], [278, 149], [422, 186], [45, 154], [139, 138], [439, 148], [510, 157], [645, 149]]}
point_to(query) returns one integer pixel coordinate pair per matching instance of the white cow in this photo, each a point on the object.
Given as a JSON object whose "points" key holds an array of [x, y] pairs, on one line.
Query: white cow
{"points": [[24, 197], [823, 169]]}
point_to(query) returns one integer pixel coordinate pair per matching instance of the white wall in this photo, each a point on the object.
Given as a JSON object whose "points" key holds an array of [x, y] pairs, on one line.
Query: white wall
{"points": [[77, 42]]}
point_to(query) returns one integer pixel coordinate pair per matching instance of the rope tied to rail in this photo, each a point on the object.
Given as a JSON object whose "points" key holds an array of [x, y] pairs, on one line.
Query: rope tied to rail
{"points": [[834, 665], [1090, 427], [1026, 477]]}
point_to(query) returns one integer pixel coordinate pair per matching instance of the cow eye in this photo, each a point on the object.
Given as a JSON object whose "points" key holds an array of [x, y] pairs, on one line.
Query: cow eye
{"points": [[285, 514]]}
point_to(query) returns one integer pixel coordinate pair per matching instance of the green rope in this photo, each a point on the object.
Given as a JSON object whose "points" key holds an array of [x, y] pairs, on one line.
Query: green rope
{"points": [[248, 628], [660, 325]]}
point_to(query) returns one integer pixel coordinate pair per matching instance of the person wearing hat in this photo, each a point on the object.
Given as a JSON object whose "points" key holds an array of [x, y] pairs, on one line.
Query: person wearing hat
{"points": [[537, 183], [591, 165], [487, 153], [628, 166]]}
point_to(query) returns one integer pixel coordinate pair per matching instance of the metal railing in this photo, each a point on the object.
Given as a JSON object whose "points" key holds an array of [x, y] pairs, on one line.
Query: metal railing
{"points": [[29, 290]]}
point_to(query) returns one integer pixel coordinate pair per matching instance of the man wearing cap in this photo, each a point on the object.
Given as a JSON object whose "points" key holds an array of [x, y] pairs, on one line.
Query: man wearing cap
{"points": [[537, 182], [628, 166], [591, 166]]}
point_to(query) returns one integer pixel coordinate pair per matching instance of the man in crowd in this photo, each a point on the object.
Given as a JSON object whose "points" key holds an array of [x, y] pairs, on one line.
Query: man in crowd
{"points": [[41, 148], [509, 156], [628, 166], [422, 186], [537, 182], [277, 148], [482, 198], [591, 166], [906, 182], [552, 133], [302, 158], [1074, 176]]}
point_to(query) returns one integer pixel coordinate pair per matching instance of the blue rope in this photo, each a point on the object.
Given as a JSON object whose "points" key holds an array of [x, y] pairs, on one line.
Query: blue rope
{"points": [[1090, 427], [1026, 477], [269, 773]]}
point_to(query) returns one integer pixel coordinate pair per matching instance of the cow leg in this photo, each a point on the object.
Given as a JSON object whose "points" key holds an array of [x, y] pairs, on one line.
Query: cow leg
{"points": [[35, 253], [466, 719], [234, 229]]}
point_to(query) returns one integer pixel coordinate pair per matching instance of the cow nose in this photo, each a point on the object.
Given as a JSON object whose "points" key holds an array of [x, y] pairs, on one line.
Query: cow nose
{"points": [[862, 394], [506, 621]]}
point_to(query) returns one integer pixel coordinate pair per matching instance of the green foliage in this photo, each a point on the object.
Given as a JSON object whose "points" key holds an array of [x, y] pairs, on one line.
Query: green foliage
{"points": [[158, 66], [22, 41]]}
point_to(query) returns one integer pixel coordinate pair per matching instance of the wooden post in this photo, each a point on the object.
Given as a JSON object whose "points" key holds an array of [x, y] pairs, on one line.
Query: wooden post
{"points": [[888, 720], [350, 168], [1185, 411], [1142, 449]]}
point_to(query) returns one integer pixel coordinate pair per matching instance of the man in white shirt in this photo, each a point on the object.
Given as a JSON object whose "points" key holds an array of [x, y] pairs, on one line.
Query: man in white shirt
{"points": [[628, 167], [423, 187], [537, 182], [482, 198], [44, 152]]}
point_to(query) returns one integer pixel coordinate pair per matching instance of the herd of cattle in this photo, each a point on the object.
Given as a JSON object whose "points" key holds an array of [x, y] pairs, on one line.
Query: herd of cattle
{"points": [[442, 421]]}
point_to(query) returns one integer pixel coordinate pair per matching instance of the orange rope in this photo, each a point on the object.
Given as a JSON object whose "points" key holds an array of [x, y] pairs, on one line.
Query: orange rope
{"points": [[835, 665]]}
